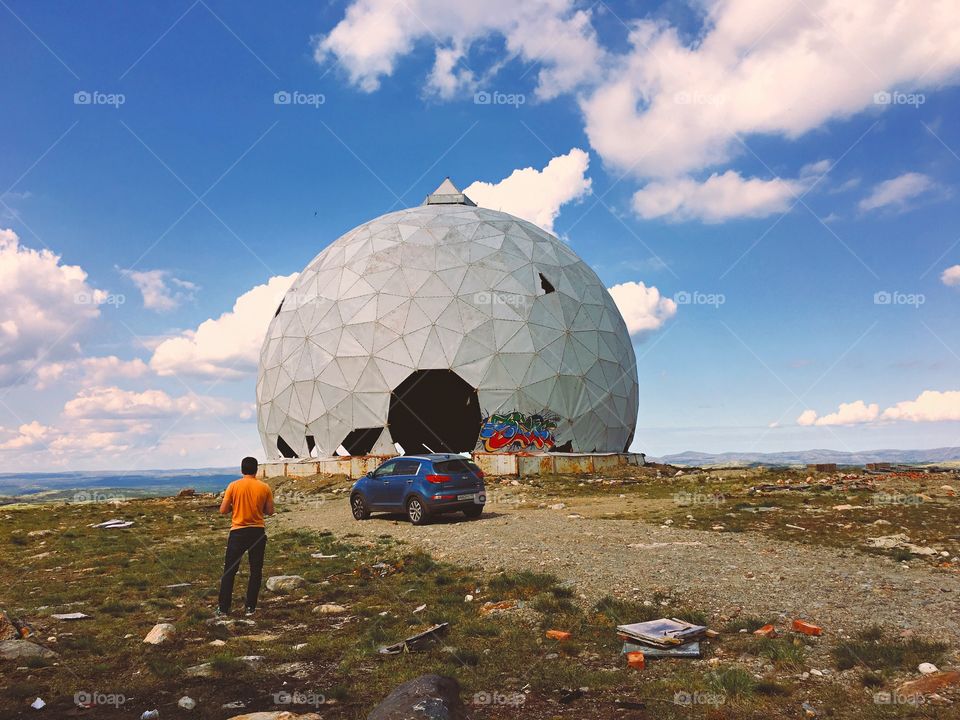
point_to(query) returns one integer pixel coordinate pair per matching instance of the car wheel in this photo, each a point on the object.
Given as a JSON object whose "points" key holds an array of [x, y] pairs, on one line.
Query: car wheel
{"points": [[417, 511], [473, 512], [358, 507]]}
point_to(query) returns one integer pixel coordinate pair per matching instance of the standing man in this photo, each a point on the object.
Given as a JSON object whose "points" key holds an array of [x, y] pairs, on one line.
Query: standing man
{"points": [[249, 499]]}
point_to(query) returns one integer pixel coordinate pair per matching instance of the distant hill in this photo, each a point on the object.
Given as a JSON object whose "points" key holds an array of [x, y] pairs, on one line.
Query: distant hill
{"points": [[935, 456], [85, 485]]}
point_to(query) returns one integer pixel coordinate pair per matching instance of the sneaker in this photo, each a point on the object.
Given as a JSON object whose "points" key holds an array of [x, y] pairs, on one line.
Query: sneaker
{"points": [[220, 613], [249, 611]]}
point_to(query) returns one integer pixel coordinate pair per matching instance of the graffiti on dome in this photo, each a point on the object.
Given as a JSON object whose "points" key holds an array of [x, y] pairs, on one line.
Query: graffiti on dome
{"points": [[516, 431]]}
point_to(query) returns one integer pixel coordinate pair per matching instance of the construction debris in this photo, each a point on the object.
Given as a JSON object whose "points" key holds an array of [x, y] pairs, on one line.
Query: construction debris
{"points": [[113, 524], [802, 626], [416, 642], [663, 638], [558, 635], [766, 631]]}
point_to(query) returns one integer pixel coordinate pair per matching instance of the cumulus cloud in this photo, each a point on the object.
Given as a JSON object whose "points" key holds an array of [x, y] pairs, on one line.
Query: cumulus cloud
{"points": [[27, 437], [374, 34], [106, 403], [716, 199], [929, 406], [161, 291], [45, 308], [90, 370], [897, 192], [642, 307], [226, 347], [671, 106], [536, 195], [951, 276], [853, 413]]}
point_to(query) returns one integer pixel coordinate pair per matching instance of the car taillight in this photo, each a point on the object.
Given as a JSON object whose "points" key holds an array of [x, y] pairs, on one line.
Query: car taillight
{"points": [[438, 478], [480, 474]]}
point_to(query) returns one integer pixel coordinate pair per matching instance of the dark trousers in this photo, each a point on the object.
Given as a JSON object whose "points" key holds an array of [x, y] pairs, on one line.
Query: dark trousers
{"points": [[253, 541]]}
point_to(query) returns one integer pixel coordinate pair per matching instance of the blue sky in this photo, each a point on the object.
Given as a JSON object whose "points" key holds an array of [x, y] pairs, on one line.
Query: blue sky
{"points": [[739, 154]]}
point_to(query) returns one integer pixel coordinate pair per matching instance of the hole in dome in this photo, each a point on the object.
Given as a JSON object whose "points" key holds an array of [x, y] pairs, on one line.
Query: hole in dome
{"points": [[360, 441], [546, 285], [280, 306], [435, 411], [311, 445], [566, 447], [284, 448]]}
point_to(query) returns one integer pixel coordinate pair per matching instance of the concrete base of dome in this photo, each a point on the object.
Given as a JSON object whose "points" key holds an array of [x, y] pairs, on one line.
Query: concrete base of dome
{"points": [[493, 464]]}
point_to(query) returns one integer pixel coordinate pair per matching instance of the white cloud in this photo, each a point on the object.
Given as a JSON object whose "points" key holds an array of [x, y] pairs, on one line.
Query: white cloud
{"points": [[28, 436], [90, 370], [930, 406], [45, 307], [226, 347], [897, 192], [161, 291], [642, 307], [853, 413], [951, 276], [106, 403], [671, 106], [716, 199], [375, 34], [536, 195]]}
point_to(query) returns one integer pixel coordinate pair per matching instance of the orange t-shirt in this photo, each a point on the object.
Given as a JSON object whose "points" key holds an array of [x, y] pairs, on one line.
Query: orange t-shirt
{"points": [[249, 498]]}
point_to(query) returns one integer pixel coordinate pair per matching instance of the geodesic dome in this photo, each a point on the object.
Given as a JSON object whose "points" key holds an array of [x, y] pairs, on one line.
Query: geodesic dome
{"points": [[446, 327]]}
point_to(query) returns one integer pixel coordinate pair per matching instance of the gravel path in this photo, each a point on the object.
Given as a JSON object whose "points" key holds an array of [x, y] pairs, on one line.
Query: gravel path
{"points": [[724, 574]]}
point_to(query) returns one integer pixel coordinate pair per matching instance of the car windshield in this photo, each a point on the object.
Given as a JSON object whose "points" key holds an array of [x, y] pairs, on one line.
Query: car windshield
{"points": [[455, 466]]}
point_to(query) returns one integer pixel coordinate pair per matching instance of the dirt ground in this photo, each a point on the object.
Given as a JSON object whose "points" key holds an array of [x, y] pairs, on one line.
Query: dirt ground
{"points": [[724, 574]]}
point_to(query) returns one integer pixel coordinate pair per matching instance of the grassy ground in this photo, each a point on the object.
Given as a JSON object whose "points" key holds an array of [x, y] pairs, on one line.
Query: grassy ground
{"points": [[119, 576]]}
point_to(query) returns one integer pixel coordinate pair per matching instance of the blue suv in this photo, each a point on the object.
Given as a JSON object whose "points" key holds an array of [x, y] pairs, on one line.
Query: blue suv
{"points": [[421, 486]]}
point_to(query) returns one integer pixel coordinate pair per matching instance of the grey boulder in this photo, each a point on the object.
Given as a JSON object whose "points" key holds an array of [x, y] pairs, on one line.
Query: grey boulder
{"points": [[428, 697]]}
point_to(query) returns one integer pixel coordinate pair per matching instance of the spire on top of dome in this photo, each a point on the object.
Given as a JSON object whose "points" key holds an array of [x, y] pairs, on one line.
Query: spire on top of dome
{"points": [[448, 194]]}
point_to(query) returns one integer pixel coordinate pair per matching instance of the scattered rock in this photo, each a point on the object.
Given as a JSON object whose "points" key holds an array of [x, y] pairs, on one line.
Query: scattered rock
{"points": [[927, 668], [218, 643], [8, 631], [187, 703], [557, 506], [70, 616], [23, 650], [160, 633], [186, 492], [329, 609], [285, 583], [429, 696], [468, 598]]}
